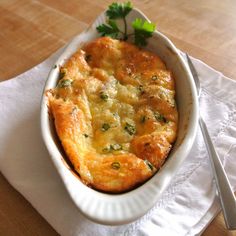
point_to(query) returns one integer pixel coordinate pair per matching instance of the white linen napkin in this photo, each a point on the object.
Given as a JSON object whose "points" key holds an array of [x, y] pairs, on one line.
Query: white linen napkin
{"points": [[185, 208]]}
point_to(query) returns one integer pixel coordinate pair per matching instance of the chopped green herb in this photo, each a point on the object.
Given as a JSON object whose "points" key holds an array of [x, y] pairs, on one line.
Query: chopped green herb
{"points": [[142, 28], [118, 10], [142, 31], [64, 83], [112, 147], [86, 135], [115, 165], [159, 117], [149, 164], [154, 77], [55, 66], [105, 127], [141, 89], [103, 96], [143, 119], [130, 129], [116, 147], [110, 29], [88, 58]]}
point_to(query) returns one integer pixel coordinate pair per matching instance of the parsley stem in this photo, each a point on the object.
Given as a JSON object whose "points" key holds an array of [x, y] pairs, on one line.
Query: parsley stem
{"points": [[125, 33], [122, 32]]}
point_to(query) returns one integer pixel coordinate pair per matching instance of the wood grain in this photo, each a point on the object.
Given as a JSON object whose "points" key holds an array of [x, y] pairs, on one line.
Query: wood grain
{"points": [[33, 30]]}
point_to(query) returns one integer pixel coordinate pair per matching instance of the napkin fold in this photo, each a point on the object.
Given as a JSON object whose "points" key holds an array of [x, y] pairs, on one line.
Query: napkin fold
{"points": [[186, 207]]}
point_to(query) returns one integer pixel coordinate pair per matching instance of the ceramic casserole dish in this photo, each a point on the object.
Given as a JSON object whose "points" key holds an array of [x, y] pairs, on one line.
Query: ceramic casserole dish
{"points": [[115, 209]]}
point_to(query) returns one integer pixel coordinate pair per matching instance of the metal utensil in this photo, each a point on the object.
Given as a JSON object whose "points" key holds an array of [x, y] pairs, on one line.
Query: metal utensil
{"points": [[226, 195]]}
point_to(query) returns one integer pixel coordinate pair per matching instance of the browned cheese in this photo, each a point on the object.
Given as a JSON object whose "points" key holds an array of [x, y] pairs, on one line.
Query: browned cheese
{"points": [[115, 114]]}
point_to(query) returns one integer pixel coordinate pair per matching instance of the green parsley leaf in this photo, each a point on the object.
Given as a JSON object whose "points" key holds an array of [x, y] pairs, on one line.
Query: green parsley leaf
{"points": [[159, 117], [103, 96], [105, 127], [85, 135], [130, 129], [141, 89], [118, 10], [154, 77], [88, 58], [142, 28], [64, 83], [112, 147], [143, 119], [115, 147], [142, 31], [110, 29], [149, 164]]}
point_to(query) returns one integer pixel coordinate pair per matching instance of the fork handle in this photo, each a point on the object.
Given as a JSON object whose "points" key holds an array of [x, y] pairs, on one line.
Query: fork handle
{"points": [[226, 195]]}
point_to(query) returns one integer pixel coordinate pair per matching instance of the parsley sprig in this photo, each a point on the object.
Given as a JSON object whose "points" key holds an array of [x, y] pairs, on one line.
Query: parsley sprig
{"points": [[118, 10], [142, 29], [110, 29]]}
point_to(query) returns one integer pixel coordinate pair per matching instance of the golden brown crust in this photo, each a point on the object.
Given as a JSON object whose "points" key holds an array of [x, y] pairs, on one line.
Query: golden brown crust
{"points": [[132, 171], [115, 114], [154, 148], [94, 169]]}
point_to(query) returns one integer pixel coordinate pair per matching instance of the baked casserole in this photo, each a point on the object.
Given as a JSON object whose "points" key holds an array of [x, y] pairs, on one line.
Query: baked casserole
{"points": [[115, 114]]}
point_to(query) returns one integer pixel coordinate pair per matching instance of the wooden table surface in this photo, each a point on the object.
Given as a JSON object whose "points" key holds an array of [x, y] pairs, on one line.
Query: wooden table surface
{"points": [[32, 30]]}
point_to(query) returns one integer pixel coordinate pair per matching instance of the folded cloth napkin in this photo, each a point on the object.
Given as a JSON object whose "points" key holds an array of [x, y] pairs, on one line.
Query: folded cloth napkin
{"points": [[185, 208]]}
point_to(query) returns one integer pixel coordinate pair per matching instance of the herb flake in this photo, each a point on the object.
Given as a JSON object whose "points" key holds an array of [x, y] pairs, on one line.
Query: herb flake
{"points": [[141, 89], [159, 117], [130, 129], [154, 77], [116, 147], [105, 127], [88, 58], [112, 147], [104, 96], [143, 119], [149, 164], [64, 83]]}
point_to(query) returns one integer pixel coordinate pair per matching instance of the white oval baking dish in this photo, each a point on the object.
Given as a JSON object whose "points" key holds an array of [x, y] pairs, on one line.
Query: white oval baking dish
{"points": [[114, 209]]}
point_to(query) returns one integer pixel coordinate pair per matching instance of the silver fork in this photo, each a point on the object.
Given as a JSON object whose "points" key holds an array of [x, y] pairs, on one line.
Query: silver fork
{"points": [[225, 192]]}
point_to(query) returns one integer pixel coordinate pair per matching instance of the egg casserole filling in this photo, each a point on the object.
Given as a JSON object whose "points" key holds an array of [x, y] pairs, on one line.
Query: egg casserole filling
{"points": [[115, 113]]}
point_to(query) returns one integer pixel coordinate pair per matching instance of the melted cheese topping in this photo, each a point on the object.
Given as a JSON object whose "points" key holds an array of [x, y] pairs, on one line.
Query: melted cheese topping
{"points": [[115, 113]]}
